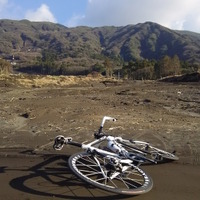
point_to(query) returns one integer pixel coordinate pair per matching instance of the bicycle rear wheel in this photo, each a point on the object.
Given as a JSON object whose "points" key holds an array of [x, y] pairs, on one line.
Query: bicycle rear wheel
{"points": [[97, 171], [161, 155], [149, 151]]}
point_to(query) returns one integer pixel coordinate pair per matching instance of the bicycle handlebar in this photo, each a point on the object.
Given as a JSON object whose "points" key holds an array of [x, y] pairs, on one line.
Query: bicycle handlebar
{"points": [[106, 118]]}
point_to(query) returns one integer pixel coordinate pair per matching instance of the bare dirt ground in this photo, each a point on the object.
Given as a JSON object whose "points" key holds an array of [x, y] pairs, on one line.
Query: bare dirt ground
{"points": [[33, 110]]}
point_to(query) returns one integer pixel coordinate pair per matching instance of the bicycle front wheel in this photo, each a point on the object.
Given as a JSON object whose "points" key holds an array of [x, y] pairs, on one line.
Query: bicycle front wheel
{"points": [[97, 171]]}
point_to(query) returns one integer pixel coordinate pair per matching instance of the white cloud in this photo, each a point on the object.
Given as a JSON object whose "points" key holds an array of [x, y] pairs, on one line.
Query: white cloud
{"points": [[43, 13], [72, 22], [175, 14], [3, 4], [8, 10]]}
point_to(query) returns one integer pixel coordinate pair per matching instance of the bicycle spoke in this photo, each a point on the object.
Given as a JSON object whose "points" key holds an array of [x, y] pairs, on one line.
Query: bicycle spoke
{"points": [[81, 164], [100, 172], [88, 173], [111, 181], [126, 183]]}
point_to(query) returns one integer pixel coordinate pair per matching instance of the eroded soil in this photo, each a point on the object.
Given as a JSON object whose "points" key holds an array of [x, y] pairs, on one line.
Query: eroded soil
{"points": [[165, 114]]}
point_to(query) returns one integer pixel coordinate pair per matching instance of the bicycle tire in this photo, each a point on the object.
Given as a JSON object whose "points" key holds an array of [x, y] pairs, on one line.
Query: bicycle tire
{"points": [[133, 181], [166, 156], [155, 153]]}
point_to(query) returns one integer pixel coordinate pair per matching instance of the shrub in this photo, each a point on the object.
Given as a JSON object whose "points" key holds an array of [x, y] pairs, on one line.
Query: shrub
{"points": [[5, 67]]}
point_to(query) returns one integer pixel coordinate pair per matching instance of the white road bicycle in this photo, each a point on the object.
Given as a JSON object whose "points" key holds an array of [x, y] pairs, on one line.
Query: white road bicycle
{"points": [[113, 163]]}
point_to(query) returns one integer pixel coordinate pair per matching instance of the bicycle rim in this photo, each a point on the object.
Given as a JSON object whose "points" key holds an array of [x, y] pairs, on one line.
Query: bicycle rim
{"points": [[154, 153], [94, 170], [163, 154]]}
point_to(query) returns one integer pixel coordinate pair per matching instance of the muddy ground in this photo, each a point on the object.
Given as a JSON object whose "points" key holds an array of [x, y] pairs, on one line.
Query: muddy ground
{"points": [[32, 114]]}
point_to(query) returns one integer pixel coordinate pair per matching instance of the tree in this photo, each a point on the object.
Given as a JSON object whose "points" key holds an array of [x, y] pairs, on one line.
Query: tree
{"points": [[165, 66], [139, 69], [47, 63], [98, 68], [108, 66], [128, 70], [48, 56], [187, 67], [176, 65], [5, 67]]}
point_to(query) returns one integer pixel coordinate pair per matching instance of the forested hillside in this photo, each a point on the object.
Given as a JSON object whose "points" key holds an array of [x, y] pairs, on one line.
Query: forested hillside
{"points": [[49, 48]]}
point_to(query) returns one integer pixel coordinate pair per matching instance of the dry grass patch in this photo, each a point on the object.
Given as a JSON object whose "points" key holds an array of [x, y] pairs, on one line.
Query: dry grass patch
{"points": [[45, 81]]}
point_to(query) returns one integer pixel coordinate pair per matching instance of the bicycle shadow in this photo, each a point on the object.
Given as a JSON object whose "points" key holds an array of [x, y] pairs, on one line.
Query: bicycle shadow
{"points": [[53, 178]]}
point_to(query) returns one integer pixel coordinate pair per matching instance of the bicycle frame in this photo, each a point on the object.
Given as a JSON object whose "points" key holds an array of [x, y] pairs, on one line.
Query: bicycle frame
{"points": [[119, 147], [115, 149], [121, 154]]}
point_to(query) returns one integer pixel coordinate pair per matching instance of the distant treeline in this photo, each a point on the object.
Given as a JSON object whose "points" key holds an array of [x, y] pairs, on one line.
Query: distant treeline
{"points": [[48, 64], [152, 69]]}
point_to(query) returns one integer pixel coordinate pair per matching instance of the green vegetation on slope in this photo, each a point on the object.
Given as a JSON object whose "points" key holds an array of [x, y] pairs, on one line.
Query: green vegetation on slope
{"points": [[50, 48]]}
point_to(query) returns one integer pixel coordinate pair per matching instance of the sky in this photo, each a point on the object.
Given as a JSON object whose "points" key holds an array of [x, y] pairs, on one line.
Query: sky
{"points": [[174, 14]]}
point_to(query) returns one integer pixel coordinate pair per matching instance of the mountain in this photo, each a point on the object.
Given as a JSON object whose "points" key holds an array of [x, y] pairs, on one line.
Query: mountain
{"points": [[85, 46]]}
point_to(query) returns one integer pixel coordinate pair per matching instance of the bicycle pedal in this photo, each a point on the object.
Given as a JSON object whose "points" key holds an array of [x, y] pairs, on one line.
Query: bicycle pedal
{"points": [[59, 142], [58, 146]]}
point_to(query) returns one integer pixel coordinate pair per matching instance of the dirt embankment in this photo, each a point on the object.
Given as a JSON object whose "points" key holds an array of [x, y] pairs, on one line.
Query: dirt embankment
{"points": [[38, 107]]}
